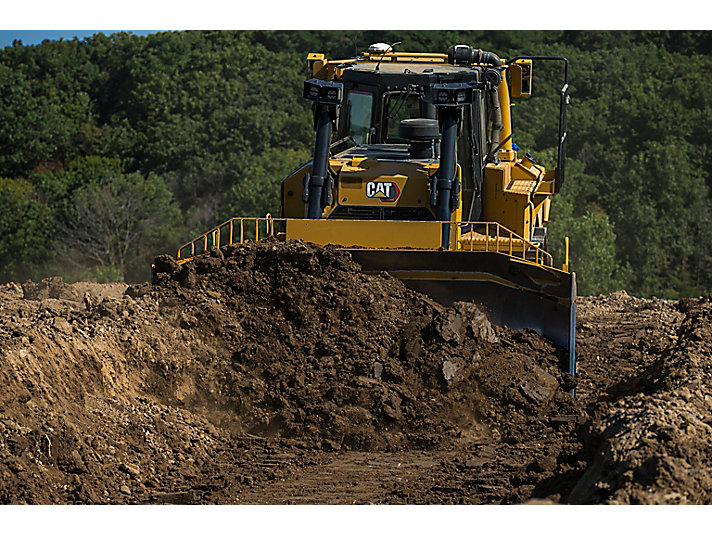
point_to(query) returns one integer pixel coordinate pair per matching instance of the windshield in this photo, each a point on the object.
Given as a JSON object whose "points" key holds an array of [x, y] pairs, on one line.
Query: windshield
{"points": [[401, 105], [358, 107]]}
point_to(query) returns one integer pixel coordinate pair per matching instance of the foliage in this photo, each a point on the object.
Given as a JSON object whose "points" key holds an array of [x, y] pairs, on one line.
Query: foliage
{"points": [[197, 126], [257, 191], [24, 227], [103, 274], [592, 252], [113, 221]]}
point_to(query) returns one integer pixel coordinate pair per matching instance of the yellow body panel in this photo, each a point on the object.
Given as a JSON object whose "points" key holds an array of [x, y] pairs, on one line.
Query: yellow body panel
{"points": [[400, 57], [372, 234], [292, 204], [353, 177], [515, 193], [411, 179], [508, 208]]}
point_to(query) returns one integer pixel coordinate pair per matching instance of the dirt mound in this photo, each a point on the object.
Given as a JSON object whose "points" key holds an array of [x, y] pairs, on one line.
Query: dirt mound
{"points": [[289, 347], [618, 337], [49, 288], [650, 447], [271, 372], [313, 348]]}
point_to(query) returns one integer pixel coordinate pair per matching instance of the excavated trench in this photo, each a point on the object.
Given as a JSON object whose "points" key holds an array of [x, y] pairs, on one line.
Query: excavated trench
{"points": [[279, 373]]}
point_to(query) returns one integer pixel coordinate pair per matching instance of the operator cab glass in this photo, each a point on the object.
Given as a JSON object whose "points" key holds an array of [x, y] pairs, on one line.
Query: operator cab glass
{"points": [[358, 115], [399, 106]]}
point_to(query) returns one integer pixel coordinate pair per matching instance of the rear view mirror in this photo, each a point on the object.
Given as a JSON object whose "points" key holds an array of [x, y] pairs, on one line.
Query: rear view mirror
{"points": [[521, 77]]}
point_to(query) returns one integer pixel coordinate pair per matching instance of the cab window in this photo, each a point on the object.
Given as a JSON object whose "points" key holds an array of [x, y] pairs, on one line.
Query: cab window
{"points": [[399, 106], [465, 148], [358, 115]]}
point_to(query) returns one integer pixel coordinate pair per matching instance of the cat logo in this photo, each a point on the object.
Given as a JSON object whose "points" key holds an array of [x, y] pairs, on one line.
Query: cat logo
{"points": [[384, 191]]}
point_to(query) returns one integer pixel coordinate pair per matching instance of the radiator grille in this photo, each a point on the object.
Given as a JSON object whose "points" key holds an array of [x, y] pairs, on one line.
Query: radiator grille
{"points": [[386, 213]]}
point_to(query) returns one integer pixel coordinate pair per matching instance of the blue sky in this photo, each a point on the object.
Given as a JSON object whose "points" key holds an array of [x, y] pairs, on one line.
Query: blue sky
{"points": [[30, 37]]}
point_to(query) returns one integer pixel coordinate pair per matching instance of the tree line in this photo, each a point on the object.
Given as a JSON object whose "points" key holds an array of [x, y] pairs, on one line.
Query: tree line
{"points": [[116, 148]]}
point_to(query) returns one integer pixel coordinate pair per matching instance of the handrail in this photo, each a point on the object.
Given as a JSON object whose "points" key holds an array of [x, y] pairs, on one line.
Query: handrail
{"points": [[227, 230], [482, 237], [500, 239]]}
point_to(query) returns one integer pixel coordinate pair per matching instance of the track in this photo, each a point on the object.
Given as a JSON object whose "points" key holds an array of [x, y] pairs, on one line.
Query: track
{"points": [[349, 478]]}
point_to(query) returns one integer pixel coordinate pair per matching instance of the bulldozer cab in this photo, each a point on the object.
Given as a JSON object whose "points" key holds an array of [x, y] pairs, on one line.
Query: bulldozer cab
{"points": [[382, 100], [374, 114]]}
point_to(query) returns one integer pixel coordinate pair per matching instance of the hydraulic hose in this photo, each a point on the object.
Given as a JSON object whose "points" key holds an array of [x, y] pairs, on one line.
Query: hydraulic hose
{"points": [[466, 55], [489, 58], [496, 126]]}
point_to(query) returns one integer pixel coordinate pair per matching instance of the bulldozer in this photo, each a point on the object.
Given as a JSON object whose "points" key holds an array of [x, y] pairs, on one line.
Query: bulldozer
{"points": [[415, 172]]}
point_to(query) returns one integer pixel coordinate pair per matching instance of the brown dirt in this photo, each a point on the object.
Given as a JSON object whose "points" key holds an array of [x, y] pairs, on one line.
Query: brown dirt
{"points": [[279, 373]]}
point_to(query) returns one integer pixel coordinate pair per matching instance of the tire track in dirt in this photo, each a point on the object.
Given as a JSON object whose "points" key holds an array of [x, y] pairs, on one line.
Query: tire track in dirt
{"points": [[349, 478]]}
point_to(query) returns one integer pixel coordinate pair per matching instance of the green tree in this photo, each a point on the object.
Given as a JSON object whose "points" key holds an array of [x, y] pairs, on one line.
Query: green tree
{"points": [[592, 252], [25, 226], [115, 222], [258, 190]]}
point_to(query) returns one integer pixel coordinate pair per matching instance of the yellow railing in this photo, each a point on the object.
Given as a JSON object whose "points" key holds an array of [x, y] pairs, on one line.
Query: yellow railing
{"points": [[470, 236], [235, 230], [493, 237]]}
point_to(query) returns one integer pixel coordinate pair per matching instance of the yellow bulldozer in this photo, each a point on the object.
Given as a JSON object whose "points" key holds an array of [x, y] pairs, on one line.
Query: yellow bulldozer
{"points": [[415, 172]]}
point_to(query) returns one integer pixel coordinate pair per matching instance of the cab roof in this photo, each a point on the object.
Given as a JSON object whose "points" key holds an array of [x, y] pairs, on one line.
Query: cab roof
{"points": [[404, 73]]}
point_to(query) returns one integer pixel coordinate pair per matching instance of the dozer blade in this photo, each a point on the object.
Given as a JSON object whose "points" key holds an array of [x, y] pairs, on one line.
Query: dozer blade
{"points": [[513, 293]]}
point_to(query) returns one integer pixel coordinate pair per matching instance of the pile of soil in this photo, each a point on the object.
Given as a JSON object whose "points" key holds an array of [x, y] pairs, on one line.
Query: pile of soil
{"points": [[252, 374], [618, 337], [651, 445], [309, 347]]}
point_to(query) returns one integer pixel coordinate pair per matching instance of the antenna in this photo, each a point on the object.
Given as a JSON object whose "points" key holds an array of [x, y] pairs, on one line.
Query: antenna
{"points": [[385, 51]]}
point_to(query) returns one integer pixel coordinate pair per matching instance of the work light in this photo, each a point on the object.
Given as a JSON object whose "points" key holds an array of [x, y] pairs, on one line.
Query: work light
{"points": [[323, 92], [451, 94]]}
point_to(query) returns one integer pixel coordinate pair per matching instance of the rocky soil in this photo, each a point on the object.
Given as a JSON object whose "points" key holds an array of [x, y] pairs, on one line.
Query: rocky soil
{"points": [[279, 373]]}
